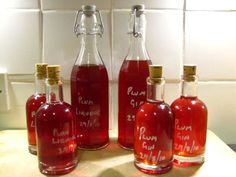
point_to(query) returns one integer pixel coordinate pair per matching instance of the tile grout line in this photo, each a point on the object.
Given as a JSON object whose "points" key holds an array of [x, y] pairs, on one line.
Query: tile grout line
{"points": [[41, 31]]}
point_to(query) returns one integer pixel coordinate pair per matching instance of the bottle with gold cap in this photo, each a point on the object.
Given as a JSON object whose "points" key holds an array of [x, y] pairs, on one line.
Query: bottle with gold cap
{"points": [[153, 130], [89, 82], [190, 115], [132, 77], [34, 102], [55, 129]]}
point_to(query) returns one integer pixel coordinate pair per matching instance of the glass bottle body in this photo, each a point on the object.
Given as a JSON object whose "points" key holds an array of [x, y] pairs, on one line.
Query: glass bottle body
{"points": [[132, 94], [32, 105], [132, 78], [153, 135], [56, 135], [190, 126], [190, 130], [89, 98]]}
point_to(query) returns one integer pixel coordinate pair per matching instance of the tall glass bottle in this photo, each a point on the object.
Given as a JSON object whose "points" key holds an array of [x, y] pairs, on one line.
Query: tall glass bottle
{"points": [[89, 83], [190, 122], [132, 78], [55, 129], [34, 102], [154, 128]]}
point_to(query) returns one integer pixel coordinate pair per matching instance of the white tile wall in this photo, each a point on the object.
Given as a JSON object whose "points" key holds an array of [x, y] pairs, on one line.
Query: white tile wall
{"points": [[209, 40], [152, 4], [163, 40], [19, 4], [74, 4], [210, 4], [220, 100], [20, 40], [61, 46]]}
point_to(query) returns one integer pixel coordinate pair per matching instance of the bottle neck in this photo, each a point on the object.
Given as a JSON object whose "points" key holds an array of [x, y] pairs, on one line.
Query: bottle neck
{"points": [[40, 87], [89, 52], [54, 93], [189, 88], [137, 49], [155, 91]]}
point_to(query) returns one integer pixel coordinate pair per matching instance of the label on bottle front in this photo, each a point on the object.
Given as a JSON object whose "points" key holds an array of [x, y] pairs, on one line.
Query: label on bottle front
{"points": [[135, 98], [149, 150], [183, 140], [32, 123], [63, 139]]}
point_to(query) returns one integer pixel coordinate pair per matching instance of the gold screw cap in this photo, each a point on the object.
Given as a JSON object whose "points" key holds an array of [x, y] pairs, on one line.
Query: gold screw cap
{"points": [[190, 72], [53, 74], [41, 70], [155, 73]]}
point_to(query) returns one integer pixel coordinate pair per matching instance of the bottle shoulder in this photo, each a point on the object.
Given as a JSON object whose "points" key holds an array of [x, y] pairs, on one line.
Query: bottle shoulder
{"points": [[36, 99], [188, 102], [155, 106]]}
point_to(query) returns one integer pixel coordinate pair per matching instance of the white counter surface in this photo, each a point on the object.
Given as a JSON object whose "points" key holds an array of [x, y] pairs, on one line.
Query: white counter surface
{"points": [[16, 161]]}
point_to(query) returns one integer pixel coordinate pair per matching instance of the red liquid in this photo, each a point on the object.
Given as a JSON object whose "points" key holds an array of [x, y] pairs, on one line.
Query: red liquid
{"points": [[32, 105], [190, 127], [55, 131], [153, 138], [132, 94], [89, 98]]}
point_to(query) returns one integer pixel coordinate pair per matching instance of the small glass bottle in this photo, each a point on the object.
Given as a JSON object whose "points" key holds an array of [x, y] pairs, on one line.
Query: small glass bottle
{"points": [[132, 78], [33, 103], [89, 83], [154, 128], [190, 122], [55, 129]]}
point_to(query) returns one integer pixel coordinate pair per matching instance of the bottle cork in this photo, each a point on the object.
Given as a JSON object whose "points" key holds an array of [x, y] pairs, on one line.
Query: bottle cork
{"points": [[41, 70], [155, 73], [190, 72], [53, 72]]}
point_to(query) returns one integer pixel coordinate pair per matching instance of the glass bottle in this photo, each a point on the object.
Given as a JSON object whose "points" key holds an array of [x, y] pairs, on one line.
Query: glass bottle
{"points": [[154, 128], [190, 122], [34, 102], [132, 78], [89, 83], [55, 129]]}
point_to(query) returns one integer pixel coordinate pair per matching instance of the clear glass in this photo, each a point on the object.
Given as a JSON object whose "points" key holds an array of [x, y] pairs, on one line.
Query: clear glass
{"points": [[32, 105], [132, 81], [89, 89], [154, 132], [56, 134], [190, 126]]}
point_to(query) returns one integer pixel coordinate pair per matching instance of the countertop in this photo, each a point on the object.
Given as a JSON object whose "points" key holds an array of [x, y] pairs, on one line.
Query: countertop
{"points": [[16, 161]]}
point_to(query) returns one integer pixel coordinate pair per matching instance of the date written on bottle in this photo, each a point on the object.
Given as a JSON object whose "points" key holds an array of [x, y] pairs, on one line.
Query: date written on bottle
{"points": [[149, 146], [182, 135]]}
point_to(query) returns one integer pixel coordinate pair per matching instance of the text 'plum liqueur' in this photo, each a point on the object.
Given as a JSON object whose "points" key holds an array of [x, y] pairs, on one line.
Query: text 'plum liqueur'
{"points": [[190, 122], [55, 129], [132, 78], [34, 102], [154, 128], [89, 83]]}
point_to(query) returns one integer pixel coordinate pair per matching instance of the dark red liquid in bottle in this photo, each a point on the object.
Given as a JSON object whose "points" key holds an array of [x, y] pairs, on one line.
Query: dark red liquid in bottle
{"points": [[89, 98], [153, 138], [32, 105], [56, 141], [190, 128], [132, 94]]}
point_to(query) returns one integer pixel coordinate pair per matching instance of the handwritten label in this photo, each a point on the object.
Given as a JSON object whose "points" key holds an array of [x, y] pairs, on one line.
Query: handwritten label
{"points": [[32, 124], [149, 146], [63, 138], [183, 133]]}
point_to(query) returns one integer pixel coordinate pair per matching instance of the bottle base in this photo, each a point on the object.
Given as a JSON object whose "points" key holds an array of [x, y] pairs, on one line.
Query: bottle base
{"points": [[153, 169], [32, 149], [130, 148], [93, 147], [189, 161], [57, 170]]}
